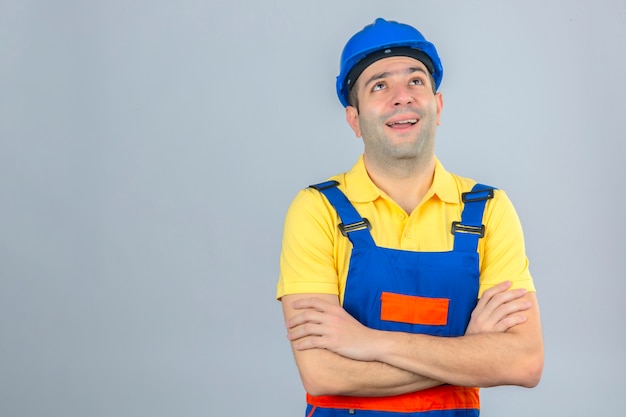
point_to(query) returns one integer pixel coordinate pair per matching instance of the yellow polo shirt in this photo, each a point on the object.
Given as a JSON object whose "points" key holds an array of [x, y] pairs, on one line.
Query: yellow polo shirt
{"points": [[315, 255]]}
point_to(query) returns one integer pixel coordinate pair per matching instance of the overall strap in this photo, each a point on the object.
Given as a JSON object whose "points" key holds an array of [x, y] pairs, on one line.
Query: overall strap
{"points": [[470, 228], [353, 226]]}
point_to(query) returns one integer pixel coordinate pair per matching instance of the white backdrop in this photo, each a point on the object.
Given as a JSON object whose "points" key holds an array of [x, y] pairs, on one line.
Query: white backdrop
{"points": [[149, 151]]}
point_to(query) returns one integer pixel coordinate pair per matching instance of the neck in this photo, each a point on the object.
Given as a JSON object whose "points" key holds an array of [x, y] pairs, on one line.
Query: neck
{"points": [[405, 184]]}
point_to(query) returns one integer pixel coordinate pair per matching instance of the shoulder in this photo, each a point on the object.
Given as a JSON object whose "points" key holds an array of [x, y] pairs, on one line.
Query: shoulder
{"points": [[498, 210], [311, 211], [466, 185], [311, 201]]}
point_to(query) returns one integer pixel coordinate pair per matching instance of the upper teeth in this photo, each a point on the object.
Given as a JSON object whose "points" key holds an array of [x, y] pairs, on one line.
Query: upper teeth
{"points": [[405, 121]]}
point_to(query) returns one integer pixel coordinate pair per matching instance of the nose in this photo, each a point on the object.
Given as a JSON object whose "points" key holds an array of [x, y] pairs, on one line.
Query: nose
{"points": [[402, 96]]}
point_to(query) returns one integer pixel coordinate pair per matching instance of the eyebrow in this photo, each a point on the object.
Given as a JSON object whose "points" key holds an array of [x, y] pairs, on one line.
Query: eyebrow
{"points": [[382, 75]]}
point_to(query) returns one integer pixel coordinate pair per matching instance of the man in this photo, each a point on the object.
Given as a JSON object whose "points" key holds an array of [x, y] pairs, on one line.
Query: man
{"points": [[382, 266]]}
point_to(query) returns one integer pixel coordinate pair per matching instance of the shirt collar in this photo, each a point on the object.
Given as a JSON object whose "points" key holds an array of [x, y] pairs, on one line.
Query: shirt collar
{"points": [[444, 184], [361, 189]]}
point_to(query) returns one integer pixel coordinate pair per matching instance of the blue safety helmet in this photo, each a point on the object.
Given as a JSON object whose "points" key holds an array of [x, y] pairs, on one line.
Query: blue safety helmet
{"points": [[383, 39]]}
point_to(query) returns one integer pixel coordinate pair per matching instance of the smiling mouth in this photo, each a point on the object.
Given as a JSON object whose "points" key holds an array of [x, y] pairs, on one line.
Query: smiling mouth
{"points": [[402, 123]]}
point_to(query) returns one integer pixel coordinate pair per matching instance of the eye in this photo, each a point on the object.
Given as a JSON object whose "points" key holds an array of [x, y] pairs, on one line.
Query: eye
{"points": [[417, 81], [378, 86]]}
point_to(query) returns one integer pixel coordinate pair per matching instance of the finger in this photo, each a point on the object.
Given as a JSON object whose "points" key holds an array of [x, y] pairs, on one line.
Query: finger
{"points": [[496, 289], [507, 296], [503, 305], [502, 298], [309, 336], [505, 313], [492, 299], [513, 306], [313, 303], [510, 321], [492, 292], [304, 330], [310, 342], [309, 316]]}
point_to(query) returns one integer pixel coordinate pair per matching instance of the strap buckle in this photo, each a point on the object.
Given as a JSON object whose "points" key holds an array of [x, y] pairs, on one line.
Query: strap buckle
{"points": [[480, 195], [353, 227], [464, 228], [325, 185]]}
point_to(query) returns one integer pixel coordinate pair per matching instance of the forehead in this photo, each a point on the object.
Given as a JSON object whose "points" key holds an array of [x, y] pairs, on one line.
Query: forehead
{"points": [[390, 66]]}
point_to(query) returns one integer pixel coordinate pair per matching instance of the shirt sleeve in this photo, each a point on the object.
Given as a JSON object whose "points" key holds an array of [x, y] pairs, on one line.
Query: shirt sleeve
{"points": [[504, 253], [307, 260]]}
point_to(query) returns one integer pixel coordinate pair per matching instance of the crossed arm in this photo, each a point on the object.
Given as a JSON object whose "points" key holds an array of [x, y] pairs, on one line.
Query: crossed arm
{"points": [[336, 355]]}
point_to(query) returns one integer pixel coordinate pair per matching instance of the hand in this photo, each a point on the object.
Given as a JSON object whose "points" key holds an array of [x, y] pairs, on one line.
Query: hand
{"points": [[498, 310], [324, 325]]}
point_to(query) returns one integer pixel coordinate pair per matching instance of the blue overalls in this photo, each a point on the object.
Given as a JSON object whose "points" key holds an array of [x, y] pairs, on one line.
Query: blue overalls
{"points": [[416, 292]]}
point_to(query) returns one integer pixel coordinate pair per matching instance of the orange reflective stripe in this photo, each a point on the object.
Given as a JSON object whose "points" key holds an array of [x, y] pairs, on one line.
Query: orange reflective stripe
{"points": [[414, 310], [312, 411], [445, 397]]}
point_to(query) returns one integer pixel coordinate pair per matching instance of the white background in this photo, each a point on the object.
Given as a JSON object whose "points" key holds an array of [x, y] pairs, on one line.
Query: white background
{"points": [[149, 151]]}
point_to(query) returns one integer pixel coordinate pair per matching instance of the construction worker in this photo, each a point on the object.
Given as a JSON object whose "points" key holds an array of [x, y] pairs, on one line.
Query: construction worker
{"points": [[404, 287]]}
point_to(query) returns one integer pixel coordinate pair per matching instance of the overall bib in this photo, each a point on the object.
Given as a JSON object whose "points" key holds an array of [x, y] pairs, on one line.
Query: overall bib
{"points": [[430, 293]]}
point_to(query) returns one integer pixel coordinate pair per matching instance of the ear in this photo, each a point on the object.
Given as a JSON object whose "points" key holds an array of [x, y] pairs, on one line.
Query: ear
{"points": [[352, 117], [439, 99]]}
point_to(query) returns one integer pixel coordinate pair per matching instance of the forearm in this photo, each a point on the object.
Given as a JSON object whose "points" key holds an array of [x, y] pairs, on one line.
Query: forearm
{"points": [[466, 361], [338, 355], [514, 357], [326, 373]]}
